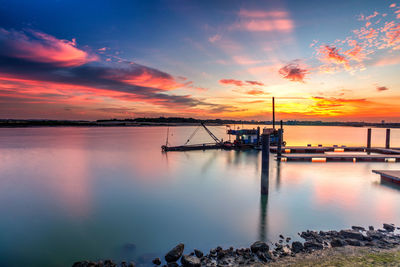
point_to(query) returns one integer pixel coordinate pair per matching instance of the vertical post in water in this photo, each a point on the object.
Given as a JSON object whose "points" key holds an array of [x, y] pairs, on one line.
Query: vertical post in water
{"points": [[279, 148], [387, 138], [265, 163], [369, 138], [273, 113], [258, 135]]}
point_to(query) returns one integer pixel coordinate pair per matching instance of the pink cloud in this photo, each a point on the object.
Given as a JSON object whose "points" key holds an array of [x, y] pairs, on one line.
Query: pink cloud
{"points": [[267, 25], [393, 5], [293, 72], [255, 83], [372, 16], [262, 14], [40, 47], [239, 82], [242, 60], [330, 54], [387, 61], [264, 21], [214, 38], [231, 82]]}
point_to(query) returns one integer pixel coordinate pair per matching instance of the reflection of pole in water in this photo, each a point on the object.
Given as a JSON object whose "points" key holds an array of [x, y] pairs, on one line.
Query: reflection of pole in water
{"points": [[263, 204], [278, 174]]}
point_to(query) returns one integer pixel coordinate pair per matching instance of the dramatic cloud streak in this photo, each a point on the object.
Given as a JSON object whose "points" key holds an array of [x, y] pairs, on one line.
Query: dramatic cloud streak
{"points": [[40, 47], [53, 62], [239, 83]]}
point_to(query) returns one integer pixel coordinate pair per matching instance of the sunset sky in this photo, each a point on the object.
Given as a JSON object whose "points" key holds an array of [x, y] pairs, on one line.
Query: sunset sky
{"points": [[322, 60]]}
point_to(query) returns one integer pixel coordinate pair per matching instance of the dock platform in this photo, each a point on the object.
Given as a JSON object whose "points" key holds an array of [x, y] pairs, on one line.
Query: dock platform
{"points": [[340, 158], [389, 175]]}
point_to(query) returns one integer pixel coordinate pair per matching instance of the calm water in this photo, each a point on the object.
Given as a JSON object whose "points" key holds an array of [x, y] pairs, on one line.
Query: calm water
{"points": [[68, 194]]}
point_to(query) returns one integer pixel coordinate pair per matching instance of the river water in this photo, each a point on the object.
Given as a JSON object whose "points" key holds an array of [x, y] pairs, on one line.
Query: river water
{"points": [[68, 194]]}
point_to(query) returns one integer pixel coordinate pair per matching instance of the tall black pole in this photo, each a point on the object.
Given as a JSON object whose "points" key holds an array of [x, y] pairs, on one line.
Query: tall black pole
{"points": [[265, 163], [273, 113], [369, 138], [387, 138], [279, 148]]}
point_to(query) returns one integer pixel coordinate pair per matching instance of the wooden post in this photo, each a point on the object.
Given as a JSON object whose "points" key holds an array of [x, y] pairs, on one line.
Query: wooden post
{"points": [[273, 113], [369, 138], [265, 163], [279, 148], [258, 135], [387, 138], [265, 151]]}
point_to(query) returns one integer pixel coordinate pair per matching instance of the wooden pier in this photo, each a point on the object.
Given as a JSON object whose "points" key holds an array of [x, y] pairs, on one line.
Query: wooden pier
{"points": [[389, 175], [339, 157]]}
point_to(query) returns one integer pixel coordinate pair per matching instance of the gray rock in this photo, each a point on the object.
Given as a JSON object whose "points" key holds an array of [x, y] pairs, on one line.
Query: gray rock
{"points": [[264, 256], [190, 261], [172, 264], [389, 227], [312, 245], [352, 234], [337, 242], [371, 228], [297, 247], [259, 246], [175, 253], [353, 242], [156, 261], [199, 253], [358, 228]]}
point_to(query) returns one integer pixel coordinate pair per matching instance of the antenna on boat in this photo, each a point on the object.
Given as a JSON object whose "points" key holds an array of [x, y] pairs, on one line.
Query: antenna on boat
{"points": [[166, 142]]}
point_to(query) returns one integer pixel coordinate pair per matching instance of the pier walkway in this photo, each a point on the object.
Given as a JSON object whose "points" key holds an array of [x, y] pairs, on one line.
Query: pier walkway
{"points": [[340, 157], [389, 175]]}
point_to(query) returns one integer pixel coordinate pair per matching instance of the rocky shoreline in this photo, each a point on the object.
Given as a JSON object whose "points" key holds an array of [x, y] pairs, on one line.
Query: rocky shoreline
{"points": [[262, 253]]}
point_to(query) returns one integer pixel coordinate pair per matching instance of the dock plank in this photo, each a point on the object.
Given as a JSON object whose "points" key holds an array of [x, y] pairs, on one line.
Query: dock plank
{"points": [[340, 157], [391, 175]]}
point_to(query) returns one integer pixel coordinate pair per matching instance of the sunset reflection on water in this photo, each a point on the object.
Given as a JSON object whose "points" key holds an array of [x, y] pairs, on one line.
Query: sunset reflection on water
{"points": [[84, 193]]}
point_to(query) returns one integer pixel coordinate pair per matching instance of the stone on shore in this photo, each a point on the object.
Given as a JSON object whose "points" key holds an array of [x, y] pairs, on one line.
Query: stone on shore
{"points": [[297, 247], [156, 261], [190, 261], [337, 242], [199, 253], [174, 254], [352, 234], [389, 227], [313, 245], [259, 246]]}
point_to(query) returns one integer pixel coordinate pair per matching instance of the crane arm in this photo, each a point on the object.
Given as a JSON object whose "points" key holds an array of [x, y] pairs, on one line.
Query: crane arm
{"points": [[211, 134]]}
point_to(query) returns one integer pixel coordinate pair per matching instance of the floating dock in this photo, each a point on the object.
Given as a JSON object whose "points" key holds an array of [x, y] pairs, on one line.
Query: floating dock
{"points": [[389, 175], [339, 157]]}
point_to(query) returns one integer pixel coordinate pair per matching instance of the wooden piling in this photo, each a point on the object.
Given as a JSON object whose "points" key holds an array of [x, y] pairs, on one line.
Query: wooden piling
{"points": [[387, 138], [265, 163], [369, 138], [273, 113], [279, 147], [265, 151]]}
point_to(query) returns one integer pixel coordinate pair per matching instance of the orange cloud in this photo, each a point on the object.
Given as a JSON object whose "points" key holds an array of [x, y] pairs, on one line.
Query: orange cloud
{"points": [[231, 82], [41, 47], [381, 88], [255, 92], [331, 55], [293, 72]]}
